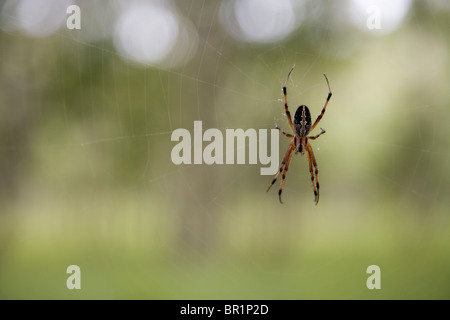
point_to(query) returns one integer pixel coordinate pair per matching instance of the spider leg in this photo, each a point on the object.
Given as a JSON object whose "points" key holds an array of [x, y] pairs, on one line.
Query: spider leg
{"points": [[316, 136], [286, 168], [289, 150], [288, 114], [286, 134], [324, 107], [312, 158]]}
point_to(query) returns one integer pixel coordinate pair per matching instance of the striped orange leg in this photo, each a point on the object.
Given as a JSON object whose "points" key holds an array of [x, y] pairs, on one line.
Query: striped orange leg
{"points": [[309, 155], [288, 153], [324, 107], [286, 168], [285, 133], [288, 114], [318, 135], [316, 171]]}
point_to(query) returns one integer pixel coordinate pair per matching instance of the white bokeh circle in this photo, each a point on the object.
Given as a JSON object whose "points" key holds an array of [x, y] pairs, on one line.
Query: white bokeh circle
{"points": [[146, 32]]}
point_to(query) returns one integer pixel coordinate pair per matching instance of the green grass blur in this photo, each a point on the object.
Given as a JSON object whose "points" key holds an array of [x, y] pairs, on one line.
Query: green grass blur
{"points": [[87, 177]]}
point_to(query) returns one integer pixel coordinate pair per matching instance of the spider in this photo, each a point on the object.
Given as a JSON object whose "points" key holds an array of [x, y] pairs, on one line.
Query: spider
{"points": [[301, 126]]}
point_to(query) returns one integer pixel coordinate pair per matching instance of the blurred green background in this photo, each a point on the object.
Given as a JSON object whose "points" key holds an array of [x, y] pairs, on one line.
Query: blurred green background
{"points": [[86, 177]]}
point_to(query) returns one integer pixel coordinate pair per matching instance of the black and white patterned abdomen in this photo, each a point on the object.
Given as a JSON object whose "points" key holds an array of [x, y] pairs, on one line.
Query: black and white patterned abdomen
{"points": [[302, 121]]}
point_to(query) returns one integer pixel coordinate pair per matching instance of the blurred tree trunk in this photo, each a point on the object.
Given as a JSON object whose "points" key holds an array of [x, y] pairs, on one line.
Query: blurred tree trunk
{"points": [[197, 211], [19, 103]]}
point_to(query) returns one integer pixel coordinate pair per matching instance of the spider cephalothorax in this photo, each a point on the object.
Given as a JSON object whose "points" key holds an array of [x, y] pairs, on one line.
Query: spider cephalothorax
{"points": [[301, 127]]}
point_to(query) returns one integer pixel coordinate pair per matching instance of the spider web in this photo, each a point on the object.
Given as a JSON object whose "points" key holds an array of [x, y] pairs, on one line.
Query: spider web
{"points": [[192, 225]]}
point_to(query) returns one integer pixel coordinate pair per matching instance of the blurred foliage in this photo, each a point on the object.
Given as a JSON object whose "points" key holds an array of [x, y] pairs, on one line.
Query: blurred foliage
{"points": [[86, 175]]}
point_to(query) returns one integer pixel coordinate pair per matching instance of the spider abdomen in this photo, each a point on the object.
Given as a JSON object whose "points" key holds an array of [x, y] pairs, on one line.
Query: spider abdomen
{"points": [[302, 121]]}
